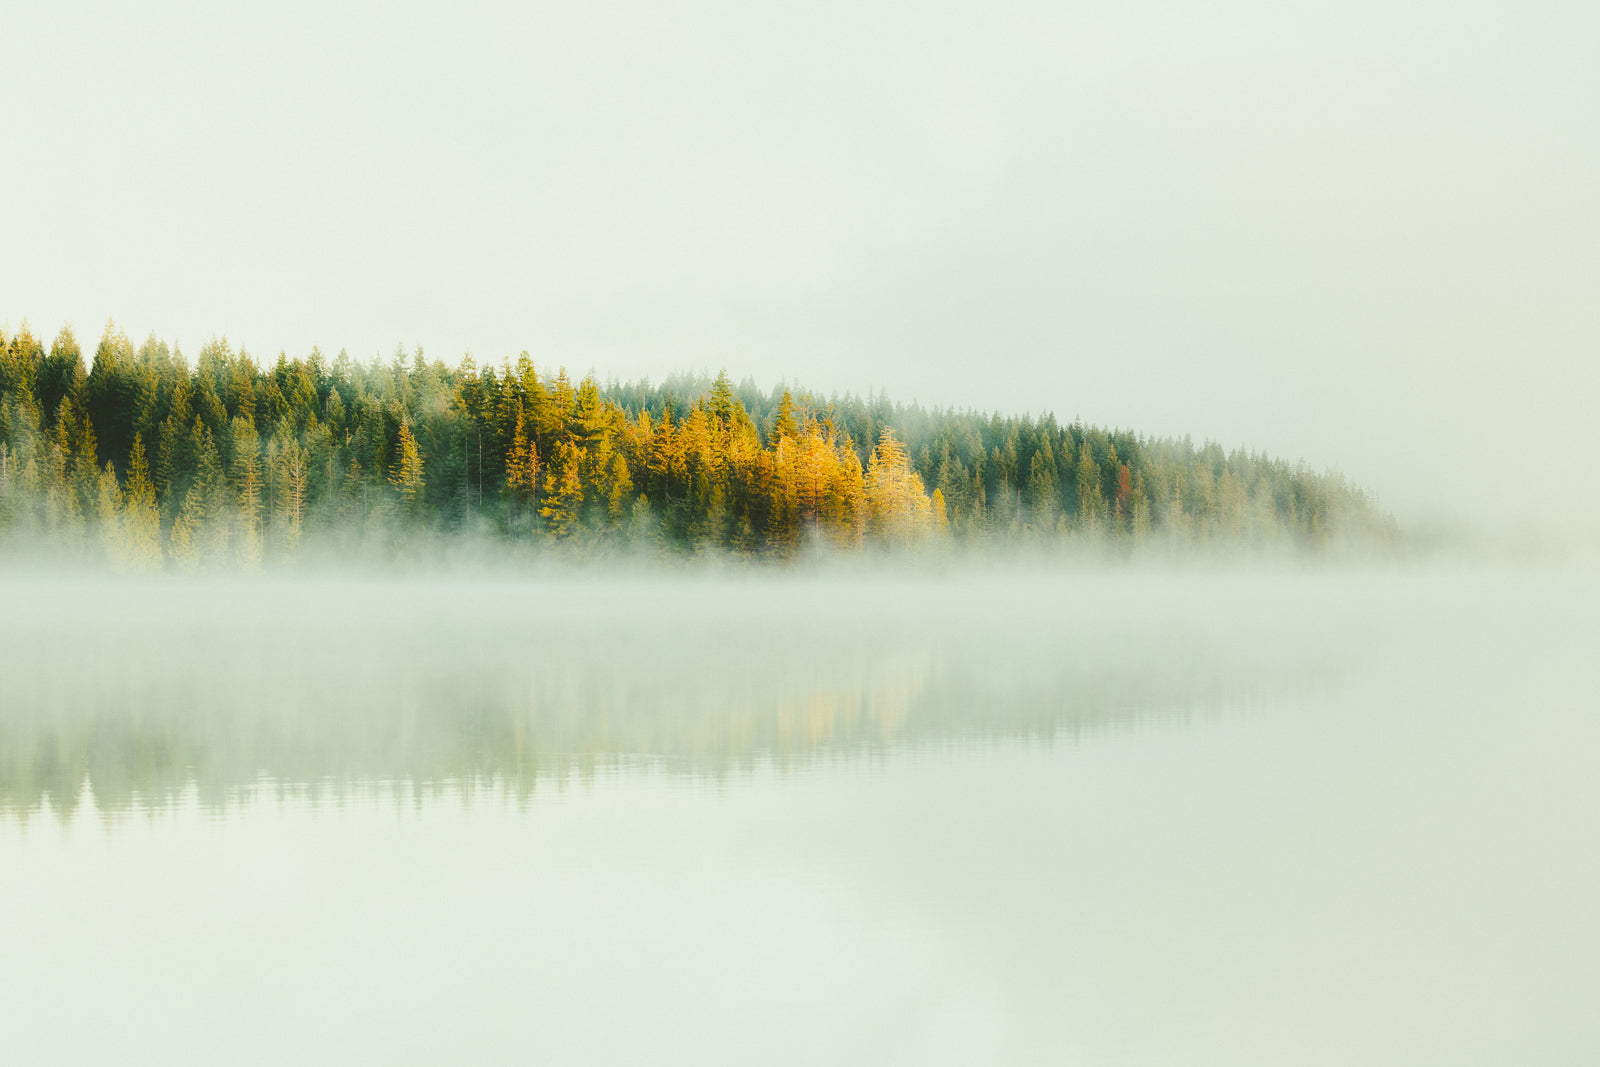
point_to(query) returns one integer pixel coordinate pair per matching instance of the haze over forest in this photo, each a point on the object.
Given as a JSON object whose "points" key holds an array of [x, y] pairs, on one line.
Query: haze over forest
{"points": [[1362, 234], [1020, 532], [149, 460]]}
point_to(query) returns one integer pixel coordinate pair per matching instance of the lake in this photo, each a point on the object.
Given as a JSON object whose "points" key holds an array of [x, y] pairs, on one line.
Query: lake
{"points": [[1017, 815]]}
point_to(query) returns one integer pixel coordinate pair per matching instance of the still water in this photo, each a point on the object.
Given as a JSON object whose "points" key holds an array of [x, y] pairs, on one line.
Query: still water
{"points": [[1009, 817]]}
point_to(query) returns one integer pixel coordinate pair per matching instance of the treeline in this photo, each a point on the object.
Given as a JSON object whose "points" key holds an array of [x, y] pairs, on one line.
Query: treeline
{"points": [[159, 463]]}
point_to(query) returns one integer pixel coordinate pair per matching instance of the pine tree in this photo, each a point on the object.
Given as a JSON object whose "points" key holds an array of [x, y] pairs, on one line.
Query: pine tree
{"points": [[1043, 489], [563, 497], [406, 474], [619, 502], [141, 517], [293, 468], [1176, 523], [722, 400], [108, 515], [247, 476], [846, 509], [170, 464], [76, 438], [522, 469], [1140, 515], [1091, 501], [785, 424], [200, 532], [899, 506], [814, 459]]}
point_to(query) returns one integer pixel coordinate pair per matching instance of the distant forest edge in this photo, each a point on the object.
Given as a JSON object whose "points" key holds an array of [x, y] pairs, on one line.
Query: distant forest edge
{"points": [[159, 464]]}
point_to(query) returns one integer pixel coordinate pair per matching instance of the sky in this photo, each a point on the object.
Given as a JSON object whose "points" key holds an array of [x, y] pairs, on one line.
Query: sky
{"points": [[1363, 234]]}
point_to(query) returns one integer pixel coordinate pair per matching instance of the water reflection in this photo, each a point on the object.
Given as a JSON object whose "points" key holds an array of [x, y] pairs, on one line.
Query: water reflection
{"points": [[827, 823], [329, 687]]}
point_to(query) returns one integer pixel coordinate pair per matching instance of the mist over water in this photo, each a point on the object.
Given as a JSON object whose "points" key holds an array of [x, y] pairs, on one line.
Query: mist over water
{"points": [[696, 533], [1024, 814], [433, 682]]}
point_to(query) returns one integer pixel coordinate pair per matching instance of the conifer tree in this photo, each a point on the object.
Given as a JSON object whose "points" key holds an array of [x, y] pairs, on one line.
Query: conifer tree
{"points": [[76, 438], [292, 475], [1176, 523], [140, 516], [406, 474], [353, 490], [1091, 501], [1043, 489], [619, 502], [785, 424], [108, 514], [200, 532], [722, 400], [899, 506], [814, 460], [247, 477], [170, 463], [563, 497], [522, 469], [6, 506], [1139, 522], [846, 508]]}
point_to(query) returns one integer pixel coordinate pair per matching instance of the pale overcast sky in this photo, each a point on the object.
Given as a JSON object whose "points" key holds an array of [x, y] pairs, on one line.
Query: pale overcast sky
{"points": [[1362, 233]]}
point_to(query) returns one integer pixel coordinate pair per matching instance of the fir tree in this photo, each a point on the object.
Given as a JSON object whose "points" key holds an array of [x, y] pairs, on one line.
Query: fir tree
{"points": [[292, 475], [900, 509], [563, 497], [406, 474], [140, 516], [522, 469], [247, 477]]}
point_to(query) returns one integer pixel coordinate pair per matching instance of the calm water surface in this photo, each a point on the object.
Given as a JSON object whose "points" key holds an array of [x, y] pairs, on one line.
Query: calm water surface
{"points": [[1000, 818]]}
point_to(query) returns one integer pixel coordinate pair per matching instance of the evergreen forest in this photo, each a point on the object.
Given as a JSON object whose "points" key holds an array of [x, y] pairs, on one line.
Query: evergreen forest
{"points": [[137, 457]]}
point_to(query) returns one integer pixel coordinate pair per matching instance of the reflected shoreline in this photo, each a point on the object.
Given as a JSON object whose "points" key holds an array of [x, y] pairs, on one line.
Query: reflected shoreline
{"points": [[151, 753], [338, 686]]}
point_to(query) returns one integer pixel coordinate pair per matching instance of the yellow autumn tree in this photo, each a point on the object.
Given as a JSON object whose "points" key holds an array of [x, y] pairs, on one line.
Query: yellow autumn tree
{"points": [[845, 512], [563, 495], [406, 474], [522, 469], [898, 505]]}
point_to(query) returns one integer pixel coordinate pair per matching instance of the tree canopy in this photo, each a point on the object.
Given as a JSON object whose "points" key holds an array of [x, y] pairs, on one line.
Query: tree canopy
{"points": [[232, 461]]}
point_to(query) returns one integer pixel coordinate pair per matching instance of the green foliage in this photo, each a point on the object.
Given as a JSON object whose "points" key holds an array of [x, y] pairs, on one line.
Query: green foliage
{"points": [[407, 474], [141, 519], [250, 461]]}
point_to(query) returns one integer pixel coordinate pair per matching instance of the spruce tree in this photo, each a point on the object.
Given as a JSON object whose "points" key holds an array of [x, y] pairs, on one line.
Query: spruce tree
{"points": [[1091, 501], [247, 477], [293, 468], [784, 425], [563, 496], [522, 470], [141, 518], [899, 506], [108, 515], [620, 493], [406, 474]]}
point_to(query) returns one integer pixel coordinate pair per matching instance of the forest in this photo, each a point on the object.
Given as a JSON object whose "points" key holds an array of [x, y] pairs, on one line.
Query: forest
{"points": [[138, 458]]}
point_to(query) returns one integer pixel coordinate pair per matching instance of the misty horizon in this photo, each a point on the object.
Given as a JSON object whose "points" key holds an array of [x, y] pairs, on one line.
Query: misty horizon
{"points": [[1360, 233], [1026, 533]]}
